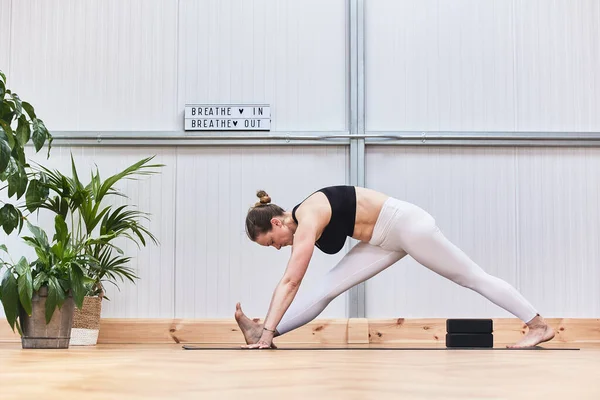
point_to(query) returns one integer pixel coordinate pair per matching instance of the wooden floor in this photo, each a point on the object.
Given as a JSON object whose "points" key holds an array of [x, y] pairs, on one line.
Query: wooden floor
{"points": [[169, 372]]}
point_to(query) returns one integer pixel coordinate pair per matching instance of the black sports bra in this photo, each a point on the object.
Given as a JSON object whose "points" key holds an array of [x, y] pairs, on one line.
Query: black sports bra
{"points": [[343, 216]]}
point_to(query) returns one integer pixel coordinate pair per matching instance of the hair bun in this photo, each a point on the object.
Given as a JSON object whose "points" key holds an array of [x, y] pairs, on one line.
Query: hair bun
{"points": [[264, 197]]}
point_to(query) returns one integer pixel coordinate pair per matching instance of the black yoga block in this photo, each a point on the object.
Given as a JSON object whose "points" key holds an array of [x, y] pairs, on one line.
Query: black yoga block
{"points": [[469, 340], [469, 326]]}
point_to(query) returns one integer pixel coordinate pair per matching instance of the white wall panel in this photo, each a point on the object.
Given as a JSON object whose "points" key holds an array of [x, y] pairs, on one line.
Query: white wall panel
{"points": [[217, 265], [559, 230], [558, 64], [152, 295], [97, 65], [470, 193], [5, 12], [287, 53], [470, 65], [528, 216]]}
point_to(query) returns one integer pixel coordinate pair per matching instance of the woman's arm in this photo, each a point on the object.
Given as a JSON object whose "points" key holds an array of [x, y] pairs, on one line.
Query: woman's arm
{"points": [[302, 250]]}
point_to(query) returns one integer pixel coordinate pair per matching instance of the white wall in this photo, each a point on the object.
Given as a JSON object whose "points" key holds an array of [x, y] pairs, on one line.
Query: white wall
{"points": [[5, 13], [528, 216], [97, 65], [460, 65], [216, 263], [133, 65], [287, 53], [198, 203], [491, 65]]}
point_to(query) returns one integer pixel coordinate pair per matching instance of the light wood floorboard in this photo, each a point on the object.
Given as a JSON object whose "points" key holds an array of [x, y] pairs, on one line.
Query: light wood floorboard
{"points": [[166, 371]]}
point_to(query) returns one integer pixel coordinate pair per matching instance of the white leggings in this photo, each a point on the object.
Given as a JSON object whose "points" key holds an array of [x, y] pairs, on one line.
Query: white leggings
{"points": [[403, 228]]}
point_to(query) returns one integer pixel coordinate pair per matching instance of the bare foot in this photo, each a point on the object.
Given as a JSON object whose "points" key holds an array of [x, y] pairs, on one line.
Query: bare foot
{"points": [[252, 330], [539, 332]]}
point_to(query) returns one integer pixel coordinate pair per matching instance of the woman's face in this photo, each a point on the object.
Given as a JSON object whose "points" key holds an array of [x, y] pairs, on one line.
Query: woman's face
{"points": [[279, 236]]}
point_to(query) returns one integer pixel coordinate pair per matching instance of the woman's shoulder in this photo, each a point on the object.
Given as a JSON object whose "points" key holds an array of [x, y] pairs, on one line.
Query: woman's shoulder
{"points": [[315, 204]]}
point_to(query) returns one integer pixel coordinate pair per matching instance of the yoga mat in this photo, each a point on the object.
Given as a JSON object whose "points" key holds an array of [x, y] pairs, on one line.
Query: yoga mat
{"points": [[190, 347]]}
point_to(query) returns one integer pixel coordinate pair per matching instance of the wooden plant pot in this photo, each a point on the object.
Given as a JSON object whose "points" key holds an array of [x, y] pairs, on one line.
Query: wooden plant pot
{"points": [[86, 322], [39, 335]]}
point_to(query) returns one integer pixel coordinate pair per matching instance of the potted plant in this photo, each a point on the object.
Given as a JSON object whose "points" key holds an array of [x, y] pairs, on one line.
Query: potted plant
{"points": [[55, 278], [99, 224], [77, 261], [39, 298]]}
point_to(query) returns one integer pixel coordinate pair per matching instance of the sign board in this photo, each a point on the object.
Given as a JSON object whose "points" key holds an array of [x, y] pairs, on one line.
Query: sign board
{"points": [[227, 117]]}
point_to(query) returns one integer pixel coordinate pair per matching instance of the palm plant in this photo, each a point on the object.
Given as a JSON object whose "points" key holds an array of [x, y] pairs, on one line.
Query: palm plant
{"points": [[95, 223]]}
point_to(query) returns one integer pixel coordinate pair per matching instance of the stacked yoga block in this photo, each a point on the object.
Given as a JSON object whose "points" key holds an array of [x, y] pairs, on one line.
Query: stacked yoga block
{"points": [[469, 333]]}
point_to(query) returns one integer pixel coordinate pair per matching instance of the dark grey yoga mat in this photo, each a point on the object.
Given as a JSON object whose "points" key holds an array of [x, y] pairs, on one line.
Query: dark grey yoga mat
{"points": [[190, 347]]}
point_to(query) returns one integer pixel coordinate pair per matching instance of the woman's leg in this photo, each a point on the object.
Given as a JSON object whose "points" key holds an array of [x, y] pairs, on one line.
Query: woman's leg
{"points": [[422, 239], [361, 263]]}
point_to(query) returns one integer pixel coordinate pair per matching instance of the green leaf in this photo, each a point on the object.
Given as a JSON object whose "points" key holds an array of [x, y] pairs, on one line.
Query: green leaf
{"points": [[54, 290], [18, 104], [78, 184], [77, 285], [3, 76], [61, 293], [2, 90], [35, 195], [58, 205], [25, 284], [4, 154], [10, 136], [91, 219], [10, 297], [19, 328], [39, 234], [40, 133], [22, 266], [62, 232], [29, 108], [17, 182], [18, 153], [39, 281], [3, 247], [10, 169], [136, 168], [9, 218], [64, 207], [58, 249], [23, 132]]}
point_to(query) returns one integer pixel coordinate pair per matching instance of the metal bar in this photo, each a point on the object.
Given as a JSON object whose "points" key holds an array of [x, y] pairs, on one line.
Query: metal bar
{"points": [[356, 294], [176, 138], [352, 63], [360, 66], [182, 135], [333, 138], [448, 135], [491, 143], [490, 139], [422, 136], [200, 142]]}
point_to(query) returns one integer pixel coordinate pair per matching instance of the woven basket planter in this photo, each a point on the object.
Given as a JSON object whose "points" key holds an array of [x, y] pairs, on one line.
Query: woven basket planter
{"points": [[86, 322]]}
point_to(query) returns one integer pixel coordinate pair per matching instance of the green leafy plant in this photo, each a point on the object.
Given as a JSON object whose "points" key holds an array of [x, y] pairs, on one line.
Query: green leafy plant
{"points": [[18, 126], [80, 257], [60, 265], [96, 223]]}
